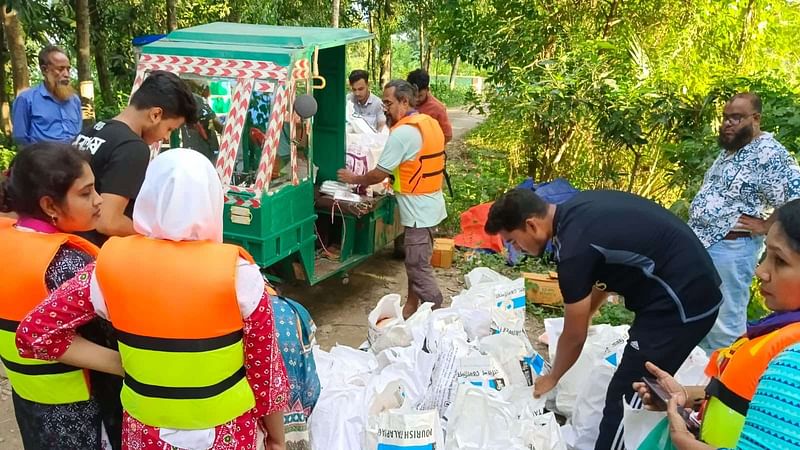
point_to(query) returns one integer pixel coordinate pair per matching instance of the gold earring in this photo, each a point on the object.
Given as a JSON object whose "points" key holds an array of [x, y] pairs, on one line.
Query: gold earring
{"points": [[54, 219]]}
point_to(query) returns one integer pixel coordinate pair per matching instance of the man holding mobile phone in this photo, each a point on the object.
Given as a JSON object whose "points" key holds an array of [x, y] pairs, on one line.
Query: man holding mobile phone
{"points": [[609, 241], [730, 214]]}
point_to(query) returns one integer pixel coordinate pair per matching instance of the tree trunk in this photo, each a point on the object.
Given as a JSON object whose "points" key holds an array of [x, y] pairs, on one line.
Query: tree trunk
{"points": [[747, 21], [99, 44], [5, 109], [386, 25], [385, 53], [453, 72], [16, 47], [371, 66], [172, 17], [428, 54], [612, 11], [335, 19], [84, 60], [422, 43], [637, 159]]}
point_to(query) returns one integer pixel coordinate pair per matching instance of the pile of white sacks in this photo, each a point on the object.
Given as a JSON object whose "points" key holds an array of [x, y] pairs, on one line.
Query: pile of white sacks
{"points": [[461, 378]]}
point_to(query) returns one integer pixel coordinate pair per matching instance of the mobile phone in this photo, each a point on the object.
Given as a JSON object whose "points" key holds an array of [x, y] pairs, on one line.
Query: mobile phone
{"points": [[658, 396], [690, 420]]}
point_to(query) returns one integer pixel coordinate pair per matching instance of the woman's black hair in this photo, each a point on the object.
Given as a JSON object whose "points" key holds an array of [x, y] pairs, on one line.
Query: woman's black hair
{"points": [[788, 216], [39, 170]]}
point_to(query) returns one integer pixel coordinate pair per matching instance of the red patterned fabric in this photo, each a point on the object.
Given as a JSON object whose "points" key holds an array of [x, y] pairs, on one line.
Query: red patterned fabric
{"points": [[47, 332]]}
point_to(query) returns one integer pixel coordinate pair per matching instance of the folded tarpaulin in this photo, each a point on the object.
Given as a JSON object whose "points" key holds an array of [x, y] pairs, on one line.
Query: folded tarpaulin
{"points": [[472, 234], [556, 192], [474, 219]]}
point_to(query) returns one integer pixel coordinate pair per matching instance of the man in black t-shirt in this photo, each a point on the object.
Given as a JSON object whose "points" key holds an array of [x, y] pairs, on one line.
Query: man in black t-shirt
{"points": [[120, 147], [608, 241]]}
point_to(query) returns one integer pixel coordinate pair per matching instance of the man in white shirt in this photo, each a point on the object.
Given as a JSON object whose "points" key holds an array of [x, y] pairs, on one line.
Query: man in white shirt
{"points": [[365, 105]]}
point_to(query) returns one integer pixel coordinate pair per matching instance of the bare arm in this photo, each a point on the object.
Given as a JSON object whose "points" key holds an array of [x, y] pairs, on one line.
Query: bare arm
{"points": [[599, 298], [681, 438], [576, 325], [577, 317], [758, 227], [86, 354], [113, 221], [374, 176], [273, 424]]}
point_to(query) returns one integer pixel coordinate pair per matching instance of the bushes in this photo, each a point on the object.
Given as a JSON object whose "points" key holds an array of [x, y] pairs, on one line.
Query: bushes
{"points": [[451, 97], [6, 155]]}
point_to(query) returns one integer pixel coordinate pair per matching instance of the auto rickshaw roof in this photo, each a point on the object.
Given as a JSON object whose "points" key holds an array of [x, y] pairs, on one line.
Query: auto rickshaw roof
{"points": [[255, 42]]}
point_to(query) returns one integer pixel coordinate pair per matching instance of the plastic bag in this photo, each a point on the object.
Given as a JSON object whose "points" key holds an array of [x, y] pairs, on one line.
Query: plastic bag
{"points": [[417, 324], [543, 433], [480, 419], [483, 275], [409, 429], [384, 324], [645, 430], [338, 418], [392, 423], [605, 347], [343, 365], [510, 352], [442, 389], [364, 148], [693, 371], [481, 370], [503, 299], [602, 350], [412, 365], [508, 308]]}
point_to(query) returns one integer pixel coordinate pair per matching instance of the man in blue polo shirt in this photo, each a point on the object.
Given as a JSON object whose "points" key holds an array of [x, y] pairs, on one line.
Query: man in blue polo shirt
{"points": [[50, 111]]}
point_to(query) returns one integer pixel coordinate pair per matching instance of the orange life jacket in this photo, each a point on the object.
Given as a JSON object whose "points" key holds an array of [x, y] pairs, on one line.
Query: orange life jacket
{"points": [[425, 173], [179, 327], [735, 372], [22, 288]]}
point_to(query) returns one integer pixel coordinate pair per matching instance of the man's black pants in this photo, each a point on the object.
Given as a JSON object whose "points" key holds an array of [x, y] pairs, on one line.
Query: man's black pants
{"points": [[665, 346]]}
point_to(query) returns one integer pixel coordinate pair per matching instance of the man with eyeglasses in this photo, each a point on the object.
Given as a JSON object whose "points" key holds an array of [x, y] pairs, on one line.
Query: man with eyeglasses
{"points": [[731, 213], [50, 111], [414, 156]]}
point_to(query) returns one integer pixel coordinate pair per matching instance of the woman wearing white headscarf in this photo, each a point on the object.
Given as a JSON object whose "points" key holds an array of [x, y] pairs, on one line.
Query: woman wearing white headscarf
{"points": [[194, 320]]}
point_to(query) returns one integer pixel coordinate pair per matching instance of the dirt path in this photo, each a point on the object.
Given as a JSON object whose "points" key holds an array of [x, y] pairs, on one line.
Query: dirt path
{"points": [[340, 311]]}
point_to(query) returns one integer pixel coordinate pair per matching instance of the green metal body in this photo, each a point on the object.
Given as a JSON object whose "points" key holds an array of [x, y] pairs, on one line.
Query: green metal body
{"points": [[281, 233]]}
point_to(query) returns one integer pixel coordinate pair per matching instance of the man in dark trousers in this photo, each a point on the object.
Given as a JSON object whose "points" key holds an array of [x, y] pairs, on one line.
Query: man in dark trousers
{"points": [[608, 241]]}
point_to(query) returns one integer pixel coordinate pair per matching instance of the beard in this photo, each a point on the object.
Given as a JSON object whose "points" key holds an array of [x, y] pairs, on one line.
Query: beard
{"points": [[737, 141], [59, 90]]}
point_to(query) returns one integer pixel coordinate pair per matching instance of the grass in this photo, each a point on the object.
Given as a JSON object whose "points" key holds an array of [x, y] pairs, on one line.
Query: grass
{"points": [[480, 174]]}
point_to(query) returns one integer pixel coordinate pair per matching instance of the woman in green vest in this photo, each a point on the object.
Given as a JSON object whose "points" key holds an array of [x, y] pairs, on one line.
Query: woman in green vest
{"points": [[50, 187], [730, 402]]}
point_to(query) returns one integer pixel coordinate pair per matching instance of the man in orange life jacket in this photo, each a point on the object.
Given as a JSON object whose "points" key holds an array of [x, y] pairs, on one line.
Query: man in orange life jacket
{"points": [[414, 156]]}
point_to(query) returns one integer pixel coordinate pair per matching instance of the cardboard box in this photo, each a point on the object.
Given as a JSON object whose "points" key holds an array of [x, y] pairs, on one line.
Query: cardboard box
{"points": [[443, 250], [542, 288]]}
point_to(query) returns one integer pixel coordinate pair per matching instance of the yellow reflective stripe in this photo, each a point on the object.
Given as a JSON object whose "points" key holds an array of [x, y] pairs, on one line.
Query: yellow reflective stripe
{"points": [[397, 185], [54, 389], [8, 350], [192, 414], [182, 369], [721, 425]]}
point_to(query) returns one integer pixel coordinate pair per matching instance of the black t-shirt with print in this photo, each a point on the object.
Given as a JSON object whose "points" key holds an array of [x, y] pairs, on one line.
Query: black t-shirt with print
{"points": [[623, 243], [119, 161]]}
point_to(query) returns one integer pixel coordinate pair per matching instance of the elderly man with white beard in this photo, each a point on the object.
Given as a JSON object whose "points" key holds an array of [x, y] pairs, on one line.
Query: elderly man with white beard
{"points": [[50, 111]]}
